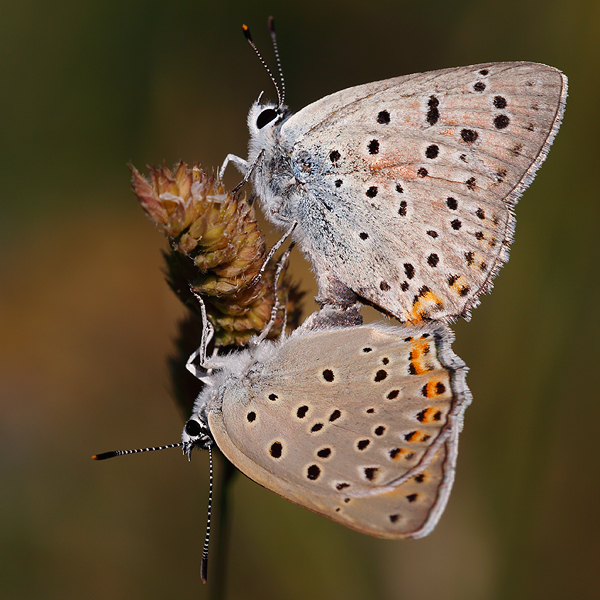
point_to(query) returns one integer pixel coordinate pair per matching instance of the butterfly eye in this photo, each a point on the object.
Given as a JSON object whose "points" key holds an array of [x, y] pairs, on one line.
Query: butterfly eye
{"points": [[192, 428], [265, 117]]}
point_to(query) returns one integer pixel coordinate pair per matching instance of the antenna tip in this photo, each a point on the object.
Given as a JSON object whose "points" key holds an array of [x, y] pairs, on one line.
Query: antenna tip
{"points": [[104, 455], [204, 569], [271, 24], [246, 31]]}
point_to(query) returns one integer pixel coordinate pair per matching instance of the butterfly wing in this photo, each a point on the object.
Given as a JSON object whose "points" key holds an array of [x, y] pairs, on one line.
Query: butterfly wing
{"points": [[413, 508], [358, 424], [406, 186]]}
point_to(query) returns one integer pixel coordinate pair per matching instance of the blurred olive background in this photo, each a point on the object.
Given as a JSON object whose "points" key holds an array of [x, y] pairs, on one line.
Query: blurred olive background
{"points": [[86, 320]]}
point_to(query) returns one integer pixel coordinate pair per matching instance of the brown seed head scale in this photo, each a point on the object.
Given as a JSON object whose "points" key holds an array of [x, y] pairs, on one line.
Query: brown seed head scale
{"points": [[216, 247]]}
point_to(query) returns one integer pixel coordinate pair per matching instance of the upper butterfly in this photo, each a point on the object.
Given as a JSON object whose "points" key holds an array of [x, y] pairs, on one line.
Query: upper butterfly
{"points": [[402, 191]]}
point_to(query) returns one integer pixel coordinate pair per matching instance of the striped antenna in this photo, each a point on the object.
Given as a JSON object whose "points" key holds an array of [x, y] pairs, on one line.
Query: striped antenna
{"points": [[277, 58], [204, 563], [248, 36], [114, 453]]}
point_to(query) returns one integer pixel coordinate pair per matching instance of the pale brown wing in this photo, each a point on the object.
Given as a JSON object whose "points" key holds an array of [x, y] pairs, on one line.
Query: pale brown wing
{"points": [[338, 419], [407, 185]]}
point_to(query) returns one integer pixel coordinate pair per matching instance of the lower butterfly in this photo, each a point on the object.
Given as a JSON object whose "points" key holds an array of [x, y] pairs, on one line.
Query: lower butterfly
{"points": [[359, 424]]}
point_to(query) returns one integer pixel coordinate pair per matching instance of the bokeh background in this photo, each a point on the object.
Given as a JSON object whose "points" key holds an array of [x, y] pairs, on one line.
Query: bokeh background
{"points": [[86, 320]]}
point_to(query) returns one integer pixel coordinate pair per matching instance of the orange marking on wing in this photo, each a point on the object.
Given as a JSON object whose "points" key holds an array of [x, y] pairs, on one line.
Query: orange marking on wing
{"points": [[435, 387], [418, 352], [399, 455], [415, 320], [417, 437], [423, 305], [458, 286], [429, 415]]}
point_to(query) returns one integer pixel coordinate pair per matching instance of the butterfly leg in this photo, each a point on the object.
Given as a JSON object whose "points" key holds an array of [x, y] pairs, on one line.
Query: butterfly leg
{"points": [[240, 163], [274, 249], [280, 266], [207, 333]]}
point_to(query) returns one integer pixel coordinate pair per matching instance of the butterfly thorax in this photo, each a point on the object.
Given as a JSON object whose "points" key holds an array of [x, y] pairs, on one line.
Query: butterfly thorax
{"points": [[226, 369], [273, 175], [221, 370]]}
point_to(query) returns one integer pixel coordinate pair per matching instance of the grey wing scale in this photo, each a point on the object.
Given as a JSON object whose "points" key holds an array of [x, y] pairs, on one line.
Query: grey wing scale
{"points": [[406, 186], [359, 424]]}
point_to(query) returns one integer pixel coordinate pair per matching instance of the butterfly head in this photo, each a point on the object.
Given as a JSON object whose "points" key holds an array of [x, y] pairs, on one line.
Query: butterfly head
{"points": [[264, 118], [196, 434]]}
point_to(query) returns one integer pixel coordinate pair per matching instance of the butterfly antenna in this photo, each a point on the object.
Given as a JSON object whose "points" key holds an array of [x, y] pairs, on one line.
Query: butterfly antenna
{"points": [[114, 453], [246, 31], [277, 58], [204, 563]]}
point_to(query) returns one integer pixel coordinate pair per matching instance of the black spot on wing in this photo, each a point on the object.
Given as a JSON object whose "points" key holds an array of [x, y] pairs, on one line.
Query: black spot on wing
{"points": [[432, 151], [383, 118], [433, 113], [501, 122]]}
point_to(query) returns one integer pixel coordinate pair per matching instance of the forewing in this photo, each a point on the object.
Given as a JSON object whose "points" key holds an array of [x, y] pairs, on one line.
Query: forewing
{"points": [[345, 422], [407, 185]]}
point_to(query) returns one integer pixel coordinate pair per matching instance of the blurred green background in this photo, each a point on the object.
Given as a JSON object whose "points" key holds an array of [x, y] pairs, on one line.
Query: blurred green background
{"points": [[86, 320]]}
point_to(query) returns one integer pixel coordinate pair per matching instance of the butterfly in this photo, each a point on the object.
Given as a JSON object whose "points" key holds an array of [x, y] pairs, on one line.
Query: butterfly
{"points": [[359, 424], [401, 192]]}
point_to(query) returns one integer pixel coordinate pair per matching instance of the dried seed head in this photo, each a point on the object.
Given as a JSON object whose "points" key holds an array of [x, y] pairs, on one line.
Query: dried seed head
{"points": [[218, 249]]}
